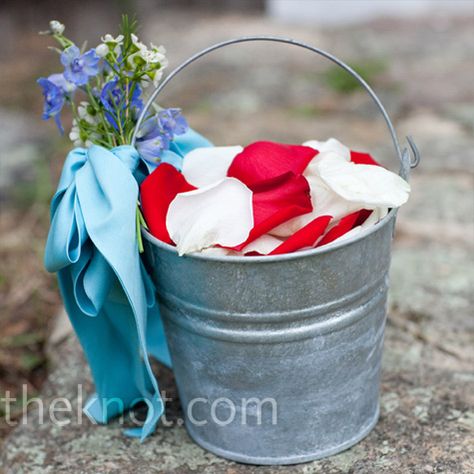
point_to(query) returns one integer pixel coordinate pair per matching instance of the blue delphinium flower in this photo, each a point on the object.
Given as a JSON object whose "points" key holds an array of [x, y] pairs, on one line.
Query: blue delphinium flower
{"points": [[55, 90], [152, 148], [171, 122], [60, 81], [157, 133], [79, 67], [113, 98]]}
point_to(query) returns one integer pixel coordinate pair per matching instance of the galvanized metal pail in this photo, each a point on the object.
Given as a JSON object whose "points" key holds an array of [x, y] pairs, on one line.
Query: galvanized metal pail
{"points": [[277, 359]]}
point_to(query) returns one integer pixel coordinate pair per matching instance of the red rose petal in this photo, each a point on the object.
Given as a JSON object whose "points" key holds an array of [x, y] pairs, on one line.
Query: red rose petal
{"points": [[345, 225], [363, 216], [253, 254], [360, 158], [261, 163], [305, 237], [288, 198], [156, 192]]}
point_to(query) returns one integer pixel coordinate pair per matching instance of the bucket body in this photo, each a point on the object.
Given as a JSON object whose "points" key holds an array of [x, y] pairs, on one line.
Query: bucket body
{"points": [[277, 359]]}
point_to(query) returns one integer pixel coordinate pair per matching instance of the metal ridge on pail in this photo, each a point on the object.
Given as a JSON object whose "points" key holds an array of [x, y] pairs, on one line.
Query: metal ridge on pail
{"points": [[264, 335]]}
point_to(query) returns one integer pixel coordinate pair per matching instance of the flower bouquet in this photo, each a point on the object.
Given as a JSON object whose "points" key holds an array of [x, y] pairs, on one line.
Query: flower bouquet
{"points": [[269, 263]]}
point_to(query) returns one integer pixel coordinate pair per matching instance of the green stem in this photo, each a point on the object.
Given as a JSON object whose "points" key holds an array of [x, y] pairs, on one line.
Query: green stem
{"points": [[140, 222], [127, 100], [63, 41], [119, 74], [129, 125], [119, 124], [74, 110], [111, 139]]}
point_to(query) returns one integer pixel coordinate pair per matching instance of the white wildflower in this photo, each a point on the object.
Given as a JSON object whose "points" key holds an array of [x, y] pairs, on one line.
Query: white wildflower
{"points": [[156, 54], [152, 77], [75, 134], [56, 27], [161, 49], [102, 50], [109, 39], [111, 43], [83, 112], [153, 57], [80, 138], [138, 44]]}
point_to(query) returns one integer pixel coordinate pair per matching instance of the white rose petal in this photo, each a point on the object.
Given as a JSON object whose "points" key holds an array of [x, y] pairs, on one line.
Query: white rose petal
{"points": [[207, 165], [263, 245], [220, 214], [219, 252], [375, 216], [370, 186], [331, 145], [347, 188]]}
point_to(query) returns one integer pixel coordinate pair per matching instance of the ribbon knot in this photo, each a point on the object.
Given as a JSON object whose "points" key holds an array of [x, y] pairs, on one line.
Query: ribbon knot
{"points": [[92, 245]]}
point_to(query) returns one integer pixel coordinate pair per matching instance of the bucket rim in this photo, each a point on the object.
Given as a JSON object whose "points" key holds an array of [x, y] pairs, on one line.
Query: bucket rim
{"points": [[273, 258]]}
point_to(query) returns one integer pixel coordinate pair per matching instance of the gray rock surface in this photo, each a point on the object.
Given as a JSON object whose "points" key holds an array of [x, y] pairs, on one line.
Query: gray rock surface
{"points": [[20, 138], [427, 416], [427, 409]]}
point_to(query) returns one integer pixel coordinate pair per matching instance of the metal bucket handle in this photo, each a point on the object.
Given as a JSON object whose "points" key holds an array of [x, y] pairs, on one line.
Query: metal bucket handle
{"points": [[405, 160]]}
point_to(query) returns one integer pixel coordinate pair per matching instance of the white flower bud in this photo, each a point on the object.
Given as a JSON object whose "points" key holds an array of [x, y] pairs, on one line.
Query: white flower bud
{"points": [[108, 38], [56, 27], [83, 112], [75, 134], [102, 50]]}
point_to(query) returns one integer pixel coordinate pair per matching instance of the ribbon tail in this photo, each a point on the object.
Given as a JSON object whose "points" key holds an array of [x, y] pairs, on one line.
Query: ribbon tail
{"points": [[93, 409], [157, 345], [155, 410]]}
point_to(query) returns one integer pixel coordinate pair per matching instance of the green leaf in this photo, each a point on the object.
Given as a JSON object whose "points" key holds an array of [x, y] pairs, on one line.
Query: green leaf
{"points": [[127, 28]]}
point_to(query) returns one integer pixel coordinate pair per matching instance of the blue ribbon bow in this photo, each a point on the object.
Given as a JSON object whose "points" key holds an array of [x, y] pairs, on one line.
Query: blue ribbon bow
{"points": [[108, 295]]}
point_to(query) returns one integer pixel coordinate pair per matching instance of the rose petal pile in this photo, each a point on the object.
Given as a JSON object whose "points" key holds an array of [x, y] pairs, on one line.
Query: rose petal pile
{"points": [[268, 198]]}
